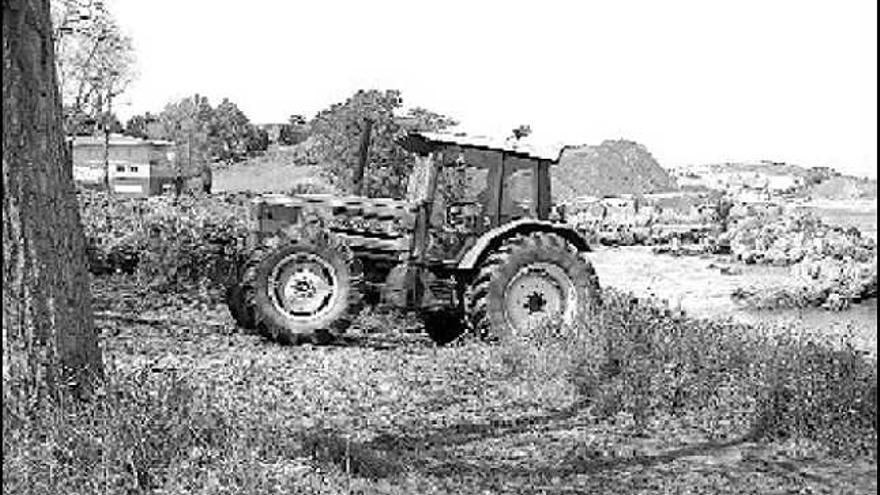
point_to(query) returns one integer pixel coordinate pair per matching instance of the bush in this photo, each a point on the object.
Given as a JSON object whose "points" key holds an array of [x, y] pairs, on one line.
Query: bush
{"points": [[170, 242], [648, 363], [127, 438], [819, 393], [795, 236], [154, 431]]}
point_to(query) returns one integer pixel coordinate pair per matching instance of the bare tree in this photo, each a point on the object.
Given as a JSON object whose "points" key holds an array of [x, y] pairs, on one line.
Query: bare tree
{"points": [[49, 338], [95, 59]]}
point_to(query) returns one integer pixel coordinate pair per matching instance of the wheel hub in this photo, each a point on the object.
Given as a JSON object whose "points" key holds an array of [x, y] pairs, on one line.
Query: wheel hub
{"points": [[539, 293], [535, 303], [303, 286]]}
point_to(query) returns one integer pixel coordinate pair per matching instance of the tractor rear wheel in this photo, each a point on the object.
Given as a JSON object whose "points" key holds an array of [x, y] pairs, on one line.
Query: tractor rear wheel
{"points": [[531, 280], [306, 290]]}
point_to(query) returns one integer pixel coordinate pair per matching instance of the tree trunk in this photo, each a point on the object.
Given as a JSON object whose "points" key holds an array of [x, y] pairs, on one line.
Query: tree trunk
{"points": [[49, 339], [363, 158]]}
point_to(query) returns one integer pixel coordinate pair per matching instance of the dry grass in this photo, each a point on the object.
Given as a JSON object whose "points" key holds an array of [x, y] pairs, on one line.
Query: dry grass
{"points": [[279, 170], [191, 408]]}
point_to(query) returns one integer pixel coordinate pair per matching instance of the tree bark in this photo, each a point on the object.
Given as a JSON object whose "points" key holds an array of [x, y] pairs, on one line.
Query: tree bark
{"points": [[363, 158], [49, 338]]}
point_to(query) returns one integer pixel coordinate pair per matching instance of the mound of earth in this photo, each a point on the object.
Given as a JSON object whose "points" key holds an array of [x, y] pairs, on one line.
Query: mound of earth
{"points": [[612, 168]]}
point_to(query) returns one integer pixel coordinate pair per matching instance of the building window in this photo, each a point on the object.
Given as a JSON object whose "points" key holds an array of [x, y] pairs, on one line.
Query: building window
{"points": [[120, 168], [133, 168]]}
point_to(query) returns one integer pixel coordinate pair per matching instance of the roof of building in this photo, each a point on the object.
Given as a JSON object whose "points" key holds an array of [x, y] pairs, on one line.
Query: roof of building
{"points": [[117, 140], [551, 153]]}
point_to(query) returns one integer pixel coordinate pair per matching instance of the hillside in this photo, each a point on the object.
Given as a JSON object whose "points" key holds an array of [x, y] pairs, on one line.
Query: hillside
{"points": [[778, 177], [764, 167], [611, 168], [844, 187], [280, 169]]}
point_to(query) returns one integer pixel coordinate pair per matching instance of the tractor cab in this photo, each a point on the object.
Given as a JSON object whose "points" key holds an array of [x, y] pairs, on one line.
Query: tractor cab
{"points": [[465, 186]]}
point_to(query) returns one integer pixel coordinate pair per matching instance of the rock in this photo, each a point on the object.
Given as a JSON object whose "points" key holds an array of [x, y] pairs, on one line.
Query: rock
{"points": [[731, 270]]}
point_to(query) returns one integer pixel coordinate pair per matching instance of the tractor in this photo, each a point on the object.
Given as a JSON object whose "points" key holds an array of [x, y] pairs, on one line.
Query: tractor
{"points": [[474, 248]]}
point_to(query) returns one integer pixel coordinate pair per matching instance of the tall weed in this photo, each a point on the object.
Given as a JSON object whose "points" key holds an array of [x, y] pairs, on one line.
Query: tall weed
{"points": [[641, 359]]}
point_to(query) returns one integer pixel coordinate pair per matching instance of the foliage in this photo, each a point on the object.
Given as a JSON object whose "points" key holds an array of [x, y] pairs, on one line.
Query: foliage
{"points": [[188, 122], [203, 133], [422, 119], [256, 140], [791, 237], [338, 131], [521, 132], [80, 123], [142, 126], [171, 243], [233, 133], [295, 131], [647, 362], [818, 392], [146, 432], [95, 59]]}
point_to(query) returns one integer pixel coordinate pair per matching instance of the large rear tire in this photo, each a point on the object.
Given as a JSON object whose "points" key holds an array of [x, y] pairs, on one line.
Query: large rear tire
{"points": [[531, 280], [304, 291]]}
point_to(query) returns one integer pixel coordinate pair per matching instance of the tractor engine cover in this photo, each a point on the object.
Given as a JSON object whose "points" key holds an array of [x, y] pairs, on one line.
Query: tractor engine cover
{"points": [[372, 228]]}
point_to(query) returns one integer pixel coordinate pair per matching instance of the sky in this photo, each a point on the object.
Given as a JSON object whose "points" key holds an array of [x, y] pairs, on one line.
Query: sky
{"points": [[694, 81]]}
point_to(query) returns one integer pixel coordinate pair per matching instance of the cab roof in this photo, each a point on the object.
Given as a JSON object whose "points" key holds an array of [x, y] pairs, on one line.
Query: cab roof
{"points": [[426, 142]]}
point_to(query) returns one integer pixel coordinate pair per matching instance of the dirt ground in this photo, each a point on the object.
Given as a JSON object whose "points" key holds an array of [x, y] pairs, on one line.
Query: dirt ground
{"points": [[448, 420]]}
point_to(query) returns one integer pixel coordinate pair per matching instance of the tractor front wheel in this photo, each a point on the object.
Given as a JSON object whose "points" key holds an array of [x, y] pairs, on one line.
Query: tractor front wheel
{"points": [[305, 292]]}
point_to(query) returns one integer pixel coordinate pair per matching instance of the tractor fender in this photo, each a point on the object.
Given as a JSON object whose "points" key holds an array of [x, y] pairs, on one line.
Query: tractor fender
{"points": [[492, 239]]}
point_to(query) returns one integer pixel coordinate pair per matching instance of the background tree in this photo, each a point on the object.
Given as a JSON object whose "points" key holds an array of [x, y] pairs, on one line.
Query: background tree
{"points": [[143, 126], [257, 139], [295, 131], [49, 339], [188, 123], [95, 58], [521, 132], [232, 132], [421, 119], [203, 133], [338, 131], [84, 124]]}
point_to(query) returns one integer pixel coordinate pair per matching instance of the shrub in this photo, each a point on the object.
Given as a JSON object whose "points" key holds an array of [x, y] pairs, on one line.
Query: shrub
{"points": [[154, 431], [125, 439], [820, 393], [644, 361], [170, 242]]}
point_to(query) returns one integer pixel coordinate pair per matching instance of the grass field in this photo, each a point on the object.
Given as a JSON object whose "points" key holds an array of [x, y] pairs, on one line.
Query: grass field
{"points": [[194, 406], [278, 170]]}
